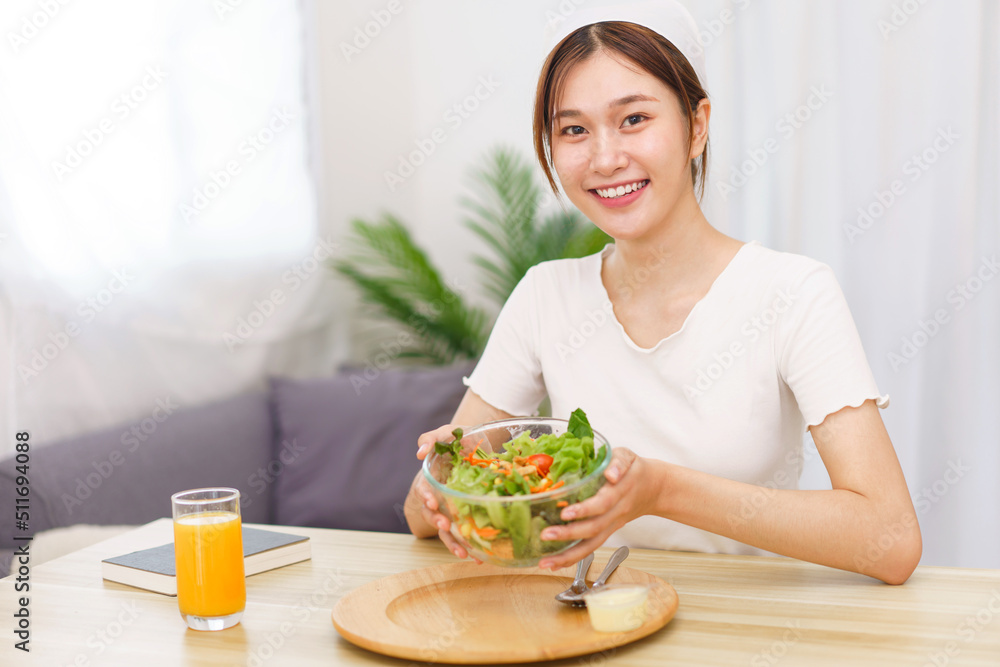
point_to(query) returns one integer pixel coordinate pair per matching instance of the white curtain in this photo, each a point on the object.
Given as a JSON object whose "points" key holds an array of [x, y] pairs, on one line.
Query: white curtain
{"points": [[885, 128], [159, 237], [820, 109]]}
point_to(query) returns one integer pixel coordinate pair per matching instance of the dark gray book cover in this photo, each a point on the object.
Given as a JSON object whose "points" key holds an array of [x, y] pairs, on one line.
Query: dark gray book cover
{"points": [[161, 559]]}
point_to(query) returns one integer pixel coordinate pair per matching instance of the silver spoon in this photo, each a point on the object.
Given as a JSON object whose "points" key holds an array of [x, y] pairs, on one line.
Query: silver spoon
{"points": [[579, 585], [620, 554], [579, 599]]}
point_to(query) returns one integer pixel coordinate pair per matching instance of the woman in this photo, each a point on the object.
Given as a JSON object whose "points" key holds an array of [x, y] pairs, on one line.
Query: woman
{"points": [[701, 358]]}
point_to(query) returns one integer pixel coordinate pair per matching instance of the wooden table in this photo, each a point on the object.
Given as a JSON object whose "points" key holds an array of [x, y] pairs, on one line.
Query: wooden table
{"points": [[734, 610]]}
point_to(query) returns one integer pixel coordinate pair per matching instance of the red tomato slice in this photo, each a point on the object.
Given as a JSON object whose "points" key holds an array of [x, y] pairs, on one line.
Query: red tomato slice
{"points": [[542, 463]]}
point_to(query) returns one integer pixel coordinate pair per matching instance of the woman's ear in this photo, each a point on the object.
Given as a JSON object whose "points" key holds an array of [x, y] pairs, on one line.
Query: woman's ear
{"points": [[699, 129]]}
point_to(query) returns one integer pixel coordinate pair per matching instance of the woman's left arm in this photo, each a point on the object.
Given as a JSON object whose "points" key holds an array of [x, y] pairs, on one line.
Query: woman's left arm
{"points": [[865, 524]]}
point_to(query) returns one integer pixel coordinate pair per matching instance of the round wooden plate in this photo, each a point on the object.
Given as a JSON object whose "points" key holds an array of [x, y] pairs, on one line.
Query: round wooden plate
{"points": [[464, 613]]}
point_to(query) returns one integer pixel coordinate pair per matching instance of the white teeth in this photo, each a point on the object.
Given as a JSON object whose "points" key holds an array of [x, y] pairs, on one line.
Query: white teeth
{"points": [[621, 190]]}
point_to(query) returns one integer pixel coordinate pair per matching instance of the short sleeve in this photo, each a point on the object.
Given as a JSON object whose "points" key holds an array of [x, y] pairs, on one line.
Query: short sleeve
{"points": [[509, 375], [819, 351]]}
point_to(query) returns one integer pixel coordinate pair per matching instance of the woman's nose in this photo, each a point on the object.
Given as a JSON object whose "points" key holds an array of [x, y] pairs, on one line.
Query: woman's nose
{"points": [[607, 155]]}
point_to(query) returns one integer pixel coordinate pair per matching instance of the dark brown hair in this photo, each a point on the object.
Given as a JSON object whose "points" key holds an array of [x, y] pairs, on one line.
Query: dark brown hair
{"points": [[649, 51]]}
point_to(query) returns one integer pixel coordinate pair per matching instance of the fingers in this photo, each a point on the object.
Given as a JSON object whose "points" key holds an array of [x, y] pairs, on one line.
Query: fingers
{"points": [[621, 460], [434, 518], [429, 508], [608, 495], [453, 546], [603, 501], [425, 443], [571, 555], [582, 530], [426, 495]]}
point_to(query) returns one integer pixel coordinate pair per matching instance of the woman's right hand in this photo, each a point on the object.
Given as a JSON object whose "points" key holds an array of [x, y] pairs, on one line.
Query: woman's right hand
{"points": [[428, 518]]}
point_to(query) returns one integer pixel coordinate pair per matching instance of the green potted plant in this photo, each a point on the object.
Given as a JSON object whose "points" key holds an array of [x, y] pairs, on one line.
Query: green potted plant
{"points": [[397, 279]]}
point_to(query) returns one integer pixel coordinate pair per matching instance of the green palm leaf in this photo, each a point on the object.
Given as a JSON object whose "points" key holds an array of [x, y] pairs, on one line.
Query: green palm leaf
{"points": [[503, 212], [396, 277]]}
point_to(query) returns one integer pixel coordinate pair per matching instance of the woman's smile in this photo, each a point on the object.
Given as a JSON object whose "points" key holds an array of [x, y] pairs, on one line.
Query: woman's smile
{"points": [[619, 196]]}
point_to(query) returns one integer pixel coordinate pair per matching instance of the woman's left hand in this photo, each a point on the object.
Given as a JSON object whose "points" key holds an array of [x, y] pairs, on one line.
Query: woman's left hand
{"points": [[628, 494]]}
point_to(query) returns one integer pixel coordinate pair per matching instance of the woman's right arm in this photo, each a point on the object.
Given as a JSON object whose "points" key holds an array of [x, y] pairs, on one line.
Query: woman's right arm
{"points": [[421, 507]]}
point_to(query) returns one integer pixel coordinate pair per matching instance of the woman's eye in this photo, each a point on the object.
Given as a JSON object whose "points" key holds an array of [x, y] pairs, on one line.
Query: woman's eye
{"points": [[573, 130], [633, 120]]}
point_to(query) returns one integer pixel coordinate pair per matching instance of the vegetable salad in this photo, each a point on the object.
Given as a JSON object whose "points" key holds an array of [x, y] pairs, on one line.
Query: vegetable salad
{"points": [[511, 530]]}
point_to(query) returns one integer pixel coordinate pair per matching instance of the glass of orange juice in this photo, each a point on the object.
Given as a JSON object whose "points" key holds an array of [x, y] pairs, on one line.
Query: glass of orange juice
{"points": [[208, 550]]}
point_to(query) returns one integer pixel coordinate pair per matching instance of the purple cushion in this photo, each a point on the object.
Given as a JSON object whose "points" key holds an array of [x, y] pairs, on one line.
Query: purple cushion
{"points": [[348, 445], [125, 475]]}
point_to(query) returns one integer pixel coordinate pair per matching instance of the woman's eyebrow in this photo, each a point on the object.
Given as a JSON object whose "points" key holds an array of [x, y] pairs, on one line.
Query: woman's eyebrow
{"points": [[620, 102], [567, 113], [629, 99]]}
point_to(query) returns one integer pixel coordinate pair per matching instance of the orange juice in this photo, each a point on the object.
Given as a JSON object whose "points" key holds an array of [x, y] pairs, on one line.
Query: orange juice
{"points": [[208, 548]]}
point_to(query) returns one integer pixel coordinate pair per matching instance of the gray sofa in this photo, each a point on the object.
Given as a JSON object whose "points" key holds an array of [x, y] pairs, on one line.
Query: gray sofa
{"points": [[334, 452]]}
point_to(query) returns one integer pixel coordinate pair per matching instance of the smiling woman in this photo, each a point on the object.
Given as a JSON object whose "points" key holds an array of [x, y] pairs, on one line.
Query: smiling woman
{"points": [[628, 44], [710, 357]]}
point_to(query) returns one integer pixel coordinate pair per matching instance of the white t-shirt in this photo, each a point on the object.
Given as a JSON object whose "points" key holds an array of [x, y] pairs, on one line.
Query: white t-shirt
{"points": [[770, 349]]}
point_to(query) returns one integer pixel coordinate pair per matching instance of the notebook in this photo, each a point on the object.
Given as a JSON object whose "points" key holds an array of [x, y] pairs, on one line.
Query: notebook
{"points": [[154, 569]]}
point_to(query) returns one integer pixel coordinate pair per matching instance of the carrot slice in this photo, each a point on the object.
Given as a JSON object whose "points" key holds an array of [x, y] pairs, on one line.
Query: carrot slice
{"points": [[562, 503], [541, 487], [557, 485]]}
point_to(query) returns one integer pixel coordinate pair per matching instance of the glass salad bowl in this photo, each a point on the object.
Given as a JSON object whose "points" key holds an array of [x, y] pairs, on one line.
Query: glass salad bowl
{"points": [[502, 483]]}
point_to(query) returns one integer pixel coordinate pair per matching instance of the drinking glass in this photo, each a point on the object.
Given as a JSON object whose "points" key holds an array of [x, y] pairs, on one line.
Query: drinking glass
{"points": [[208, 550]]}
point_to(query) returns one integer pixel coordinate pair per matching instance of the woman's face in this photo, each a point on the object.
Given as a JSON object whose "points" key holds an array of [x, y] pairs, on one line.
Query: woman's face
{"points": [[620, 147]]}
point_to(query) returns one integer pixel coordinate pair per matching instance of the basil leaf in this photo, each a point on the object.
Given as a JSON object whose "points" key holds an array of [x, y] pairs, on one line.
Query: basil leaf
{"points": [[579, 426]]}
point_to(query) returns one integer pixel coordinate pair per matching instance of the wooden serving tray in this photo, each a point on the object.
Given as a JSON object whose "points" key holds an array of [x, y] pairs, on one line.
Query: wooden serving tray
{"points": [[464, 613]]}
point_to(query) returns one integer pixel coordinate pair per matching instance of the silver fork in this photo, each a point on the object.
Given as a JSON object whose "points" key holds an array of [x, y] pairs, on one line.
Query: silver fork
{"points": [[579, 585], [579, 599]]}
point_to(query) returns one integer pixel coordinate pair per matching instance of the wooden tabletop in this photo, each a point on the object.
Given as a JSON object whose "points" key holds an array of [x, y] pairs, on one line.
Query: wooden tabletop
{"points": [[734, 610]]}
